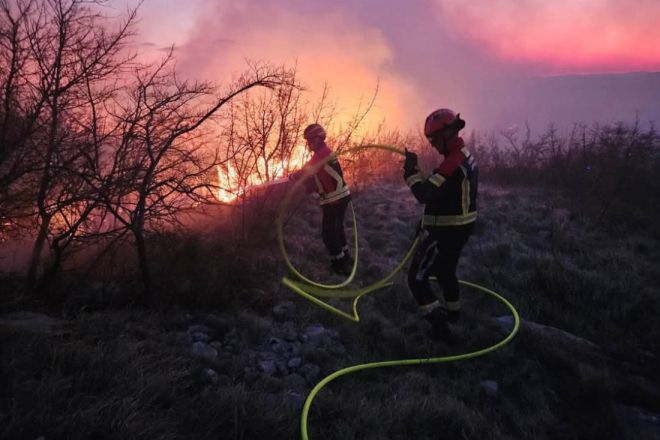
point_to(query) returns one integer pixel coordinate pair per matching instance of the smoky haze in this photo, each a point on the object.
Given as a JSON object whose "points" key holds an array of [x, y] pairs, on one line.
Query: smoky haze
{"points": [[498, 63]]}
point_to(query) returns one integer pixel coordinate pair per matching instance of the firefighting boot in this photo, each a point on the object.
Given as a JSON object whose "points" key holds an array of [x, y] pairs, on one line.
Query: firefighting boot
{"points": [[451, 310], [348, 257], [340, 266], [439, 328]]}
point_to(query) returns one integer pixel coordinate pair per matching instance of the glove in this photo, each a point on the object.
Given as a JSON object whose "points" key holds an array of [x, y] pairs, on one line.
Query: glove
{"points": [[410, 165]]}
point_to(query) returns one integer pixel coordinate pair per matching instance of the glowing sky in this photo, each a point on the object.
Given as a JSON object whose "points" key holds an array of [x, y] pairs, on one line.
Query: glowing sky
{"points": [[427, 53]]}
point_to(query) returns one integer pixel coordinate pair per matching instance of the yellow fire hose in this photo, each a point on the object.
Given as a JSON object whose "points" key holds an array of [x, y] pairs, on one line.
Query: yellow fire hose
{"points": [[311, 290]]}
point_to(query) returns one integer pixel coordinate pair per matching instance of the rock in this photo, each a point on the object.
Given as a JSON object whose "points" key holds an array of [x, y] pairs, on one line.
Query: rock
{"points": [[232, 341], [204, 351], [231, 337], [296, 399], [198, 329], [640, 418], [200, 337], [281, 367], [284, 311], [275, 341], [35, 322], [289, 335], [279, 348], [268, 367], [287, 349], [294, 362], [313, 334], [210, 376], [507, 323], [295, 381], [218, 324], [490, 387], [648, 417], [310, 372], [294, 349], [334, 334]]}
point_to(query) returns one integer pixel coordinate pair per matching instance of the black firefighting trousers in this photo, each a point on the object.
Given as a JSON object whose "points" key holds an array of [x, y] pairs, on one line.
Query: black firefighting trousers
{"points": [[334, 238], [438, 256]]}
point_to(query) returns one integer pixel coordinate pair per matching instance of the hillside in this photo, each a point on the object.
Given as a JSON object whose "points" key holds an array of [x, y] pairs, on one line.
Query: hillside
{"points": [[238, 356]]}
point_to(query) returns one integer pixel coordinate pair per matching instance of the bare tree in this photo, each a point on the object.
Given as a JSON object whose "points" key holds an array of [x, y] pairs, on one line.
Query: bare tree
{"points": [[325, 109], [345, 135], [18, 111], [71, 48], [160, 162], [366, 167], [528, 154], [262, 130]]}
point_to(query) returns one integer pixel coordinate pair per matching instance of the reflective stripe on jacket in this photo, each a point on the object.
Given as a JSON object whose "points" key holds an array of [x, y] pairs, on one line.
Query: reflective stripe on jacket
{"points": [[329, 179], [450, 193]]}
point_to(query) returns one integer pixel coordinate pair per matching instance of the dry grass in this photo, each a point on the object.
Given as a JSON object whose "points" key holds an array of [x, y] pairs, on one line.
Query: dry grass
{"points": [[124, 374]]}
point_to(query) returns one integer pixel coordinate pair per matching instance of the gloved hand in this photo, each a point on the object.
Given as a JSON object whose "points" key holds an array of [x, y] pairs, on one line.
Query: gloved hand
{"points": [[410, 164]]}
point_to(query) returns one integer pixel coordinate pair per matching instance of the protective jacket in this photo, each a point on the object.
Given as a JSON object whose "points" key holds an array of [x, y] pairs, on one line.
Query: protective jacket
{"points": [[450, 193], [328, 181]]}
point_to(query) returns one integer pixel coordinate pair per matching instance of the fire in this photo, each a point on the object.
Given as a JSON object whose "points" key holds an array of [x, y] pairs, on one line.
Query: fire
{"points": [[232, 185], [4, 226]]}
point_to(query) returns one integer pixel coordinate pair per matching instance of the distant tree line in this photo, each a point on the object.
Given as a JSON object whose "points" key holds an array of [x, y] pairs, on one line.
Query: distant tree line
{"points": [[607, 170]]}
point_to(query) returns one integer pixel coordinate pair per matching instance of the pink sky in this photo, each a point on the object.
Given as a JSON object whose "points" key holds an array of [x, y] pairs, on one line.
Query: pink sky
{"points": [[427, 53], [564, 36]]}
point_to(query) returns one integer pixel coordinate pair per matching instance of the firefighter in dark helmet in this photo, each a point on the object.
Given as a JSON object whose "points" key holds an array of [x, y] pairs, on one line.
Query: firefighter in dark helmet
{"points": [[450, 212]]}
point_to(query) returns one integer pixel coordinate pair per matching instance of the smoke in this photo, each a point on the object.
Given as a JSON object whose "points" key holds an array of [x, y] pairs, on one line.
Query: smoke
{"points": [[427, 53]]}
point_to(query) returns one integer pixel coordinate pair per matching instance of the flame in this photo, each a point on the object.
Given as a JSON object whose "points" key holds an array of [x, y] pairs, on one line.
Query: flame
{"points": [[4, 226], [231, 185]]}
